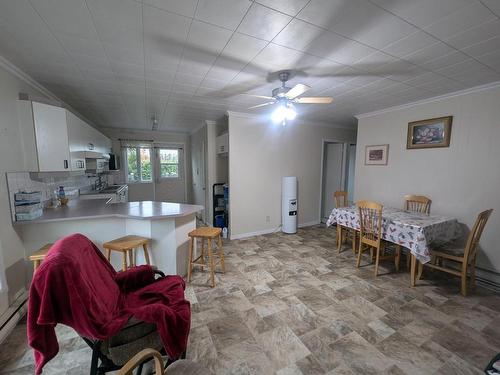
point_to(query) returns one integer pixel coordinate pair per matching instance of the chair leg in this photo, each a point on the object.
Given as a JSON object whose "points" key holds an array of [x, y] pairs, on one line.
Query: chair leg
{"points": [[354, 241], [146, 253], [202, 253], [94, 362], [463, 279], [397, 258], [190, 259], [377, 259], [339, 238], [420, 270], [211, 261], [473, 273], [360, 252], [131, 259], [124, 260], [221, 254]]}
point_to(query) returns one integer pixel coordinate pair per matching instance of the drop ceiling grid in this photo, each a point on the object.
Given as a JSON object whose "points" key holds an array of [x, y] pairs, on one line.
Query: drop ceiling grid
{"points": [[441, 65]]}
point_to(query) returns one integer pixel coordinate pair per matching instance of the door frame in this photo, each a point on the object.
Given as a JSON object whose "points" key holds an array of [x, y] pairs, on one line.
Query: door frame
{"points": [[345, 150]]}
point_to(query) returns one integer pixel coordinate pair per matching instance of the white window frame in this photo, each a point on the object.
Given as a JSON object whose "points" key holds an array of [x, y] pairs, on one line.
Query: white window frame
{"points": [[180, 163], [125, 164]]}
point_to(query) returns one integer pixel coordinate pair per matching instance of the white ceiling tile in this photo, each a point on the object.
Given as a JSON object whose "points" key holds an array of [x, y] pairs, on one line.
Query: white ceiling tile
{"points": [[429, 53], [208, 38], [118, 21], [484, 47], [69, 17], [475, 35], [183, 7], [462, 19], [290, 7], [491, 59], [422, 13], [243, 47], [410, 43], [224, 13], [446, 60], [493, 5], [298, 35], [262, 22]]}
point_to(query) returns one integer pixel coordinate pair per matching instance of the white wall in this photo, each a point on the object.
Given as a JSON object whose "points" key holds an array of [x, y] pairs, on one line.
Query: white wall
{"points": [[174, 190], [11, 160], [198, 168], [260, 154], [461, 180]]}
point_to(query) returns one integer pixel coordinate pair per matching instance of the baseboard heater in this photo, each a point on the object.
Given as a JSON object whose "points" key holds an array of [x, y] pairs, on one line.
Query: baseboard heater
{"points": [[12, 316]]}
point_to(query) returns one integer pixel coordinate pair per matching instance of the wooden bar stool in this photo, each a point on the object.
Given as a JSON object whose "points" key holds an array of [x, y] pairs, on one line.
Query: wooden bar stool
{"points": [[39, 255], [208, 234], [126, 246]]}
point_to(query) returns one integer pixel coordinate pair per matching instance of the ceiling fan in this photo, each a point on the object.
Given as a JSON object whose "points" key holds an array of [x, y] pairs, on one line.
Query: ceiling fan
{"points": [[286, 97]]}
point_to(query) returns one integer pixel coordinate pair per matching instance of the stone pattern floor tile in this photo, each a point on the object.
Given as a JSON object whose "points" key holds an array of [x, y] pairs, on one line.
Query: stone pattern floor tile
{"points": [[291, 305]]}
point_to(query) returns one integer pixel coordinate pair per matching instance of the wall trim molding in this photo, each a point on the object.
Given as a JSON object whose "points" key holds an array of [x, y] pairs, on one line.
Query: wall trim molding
{"points": [[487, 86], [298, 120], [271, 230], [14, 70]]}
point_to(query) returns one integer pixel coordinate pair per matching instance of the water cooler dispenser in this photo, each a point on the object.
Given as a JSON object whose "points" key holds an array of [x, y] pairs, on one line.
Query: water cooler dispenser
{"points": [[289, 205]]}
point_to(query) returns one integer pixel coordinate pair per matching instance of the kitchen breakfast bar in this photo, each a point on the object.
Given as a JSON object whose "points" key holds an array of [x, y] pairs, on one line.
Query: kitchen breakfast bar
{"points": [[166, 224]]}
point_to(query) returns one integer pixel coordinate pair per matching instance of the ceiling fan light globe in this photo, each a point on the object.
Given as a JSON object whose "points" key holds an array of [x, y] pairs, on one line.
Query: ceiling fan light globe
{"points": [[279, 114], [290, 113]]}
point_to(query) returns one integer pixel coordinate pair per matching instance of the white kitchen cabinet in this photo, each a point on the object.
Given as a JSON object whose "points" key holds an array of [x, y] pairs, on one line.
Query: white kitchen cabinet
{"points": [[55, 140], [222, 143], [51, 134]]}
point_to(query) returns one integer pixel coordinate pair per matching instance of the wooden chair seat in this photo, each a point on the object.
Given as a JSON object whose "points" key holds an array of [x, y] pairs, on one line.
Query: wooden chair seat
{"points": [[38, 256], [206, 234], [126, 246]]}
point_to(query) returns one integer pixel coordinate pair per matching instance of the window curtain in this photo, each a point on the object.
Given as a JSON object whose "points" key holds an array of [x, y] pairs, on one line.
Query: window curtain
{"points": [[134, 143], [3, 281]]}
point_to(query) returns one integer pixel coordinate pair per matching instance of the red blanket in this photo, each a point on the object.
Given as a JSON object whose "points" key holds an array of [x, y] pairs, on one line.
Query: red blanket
{"points": [[76, 286]]}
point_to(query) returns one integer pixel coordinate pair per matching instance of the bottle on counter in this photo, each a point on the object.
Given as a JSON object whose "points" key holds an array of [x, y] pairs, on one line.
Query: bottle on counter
{"points": [[61, 195]]}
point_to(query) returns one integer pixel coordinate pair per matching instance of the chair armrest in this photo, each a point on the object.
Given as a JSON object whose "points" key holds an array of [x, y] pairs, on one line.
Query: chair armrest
{"points": [[135, 278]]}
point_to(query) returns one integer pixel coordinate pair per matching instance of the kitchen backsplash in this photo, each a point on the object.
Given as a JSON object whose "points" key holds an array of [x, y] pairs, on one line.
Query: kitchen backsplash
{"points": [[47, 184]]}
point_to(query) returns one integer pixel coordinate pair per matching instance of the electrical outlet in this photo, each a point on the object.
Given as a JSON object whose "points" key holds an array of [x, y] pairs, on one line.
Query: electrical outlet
{"points": [[268, 219]]}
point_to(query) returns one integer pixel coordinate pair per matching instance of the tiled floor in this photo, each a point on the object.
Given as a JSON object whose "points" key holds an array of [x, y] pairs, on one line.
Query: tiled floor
{"points": [[289, 304]]}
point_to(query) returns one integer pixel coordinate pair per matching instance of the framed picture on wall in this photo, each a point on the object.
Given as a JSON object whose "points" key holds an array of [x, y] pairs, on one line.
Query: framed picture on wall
{"points": [[434, 132], [376, 154]]}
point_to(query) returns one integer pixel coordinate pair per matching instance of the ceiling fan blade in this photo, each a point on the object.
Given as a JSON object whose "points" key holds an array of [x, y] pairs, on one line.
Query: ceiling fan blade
{"points": [[261, 105], [315, 100], [259, 96], [297, 90]]}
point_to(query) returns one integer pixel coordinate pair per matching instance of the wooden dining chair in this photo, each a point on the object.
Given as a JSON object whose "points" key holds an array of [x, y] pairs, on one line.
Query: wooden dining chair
{"points": [[466, 257], [370, 237], [417, 203], [179, 367], [340, 198]]}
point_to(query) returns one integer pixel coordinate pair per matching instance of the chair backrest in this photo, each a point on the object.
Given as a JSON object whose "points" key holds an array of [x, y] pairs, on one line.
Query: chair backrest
{"points": [[370, 222], [141, 357], [418, 203], [340, 198], [475, 235]]}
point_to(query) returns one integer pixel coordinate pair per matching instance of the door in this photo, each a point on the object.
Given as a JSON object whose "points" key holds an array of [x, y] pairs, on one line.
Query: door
{"points": [[170, 181], [333, 161], [351, 163], [198, 170]]}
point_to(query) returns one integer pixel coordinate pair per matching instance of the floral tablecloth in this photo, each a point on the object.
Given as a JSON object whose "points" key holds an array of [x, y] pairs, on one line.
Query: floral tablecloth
{"points": [[413, 230]]}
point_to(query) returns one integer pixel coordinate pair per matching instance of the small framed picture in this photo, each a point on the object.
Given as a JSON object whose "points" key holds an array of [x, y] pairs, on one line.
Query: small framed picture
{"points": [[434, 132], [376, 154]]}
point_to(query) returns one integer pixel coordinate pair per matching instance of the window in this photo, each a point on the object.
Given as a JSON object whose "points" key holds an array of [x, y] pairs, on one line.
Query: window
{"points": [[168, 160], [139, 164]]}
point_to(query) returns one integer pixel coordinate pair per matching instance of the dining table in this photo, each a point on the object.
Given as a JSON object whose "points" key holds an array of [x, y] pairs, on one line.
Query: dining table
{"points": [[417, 232]]}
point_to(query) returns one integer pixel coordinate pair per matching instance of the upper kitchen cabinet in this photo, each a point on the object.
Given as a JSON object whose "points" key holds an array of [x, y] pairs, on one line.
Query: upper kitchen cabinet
{"points": [[55, 140]]}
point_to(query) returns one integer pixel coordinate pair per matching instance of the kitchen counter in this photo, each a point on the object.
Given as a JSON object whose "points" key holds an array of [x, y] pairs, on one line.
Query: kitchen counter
{"points": [[166, 224], [97, 208]]}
